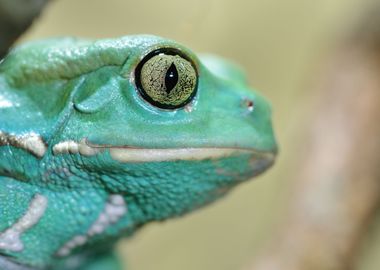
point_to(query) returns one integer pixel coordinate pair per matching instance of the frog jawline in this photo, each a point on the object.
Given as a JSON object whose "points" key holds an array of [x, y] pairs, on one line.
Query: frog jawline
{"points": [[126, 154], [171, 154]]}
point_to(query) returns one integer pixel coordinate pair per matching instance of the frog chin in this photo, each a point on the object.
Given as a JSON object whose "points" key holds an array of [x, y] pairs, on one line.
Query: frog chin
{"points": [[127, 154]]}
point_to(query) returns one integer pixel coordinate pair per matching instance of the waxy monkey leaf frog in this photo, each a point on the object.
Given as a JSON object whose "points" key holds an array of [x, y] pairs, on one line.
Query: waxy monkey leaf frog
{"points": [[98, 138]]}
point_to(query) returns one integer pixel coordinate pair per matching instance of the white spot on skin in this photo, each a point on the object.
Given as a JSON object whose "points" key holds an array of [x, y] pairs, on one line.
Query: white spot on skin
{"points": [[10, 239], [33, 143], [113, 210], [72, 147], [30, 142], [189, 108], [69, 147], [5, 103]]}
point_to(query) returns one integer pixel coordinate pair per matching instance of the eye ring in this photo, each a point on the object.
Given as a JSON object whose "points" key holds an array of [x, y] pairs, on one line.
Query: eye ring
{"points": [[170, 78]]}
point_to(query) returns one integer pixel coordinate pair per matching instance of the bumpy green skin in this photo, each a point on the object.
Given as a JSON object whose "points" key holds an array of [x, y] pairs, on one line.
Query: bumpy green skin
{"points": [[69, 90]]}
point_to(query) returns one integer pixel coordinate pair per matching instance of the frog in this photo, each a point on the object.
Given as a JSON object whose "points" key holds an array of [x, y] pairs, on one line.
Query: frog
{"points": [[99, 137]]}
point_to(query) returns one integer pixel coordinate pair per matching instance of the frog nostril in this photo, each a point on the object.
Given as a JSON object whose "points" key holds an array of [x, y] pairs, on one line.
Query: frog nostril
{"points": [[248, 103]]}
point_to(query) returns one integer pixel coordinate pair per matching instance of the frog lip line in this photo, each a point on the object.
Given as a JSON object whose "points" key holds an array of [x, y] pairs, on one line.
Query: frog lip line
{"points": [[131, 154]]}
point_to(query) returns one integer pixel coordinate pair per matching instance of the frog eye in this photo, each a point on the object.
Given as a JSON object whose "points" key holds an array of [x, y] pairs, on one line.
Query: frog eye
{"points": [[167, 79]]}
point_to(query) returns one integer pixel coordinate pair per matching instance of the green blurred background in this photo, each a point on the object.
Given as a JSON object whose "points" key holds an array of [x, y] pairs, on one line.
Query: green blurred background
{"points": [[280, 44]]}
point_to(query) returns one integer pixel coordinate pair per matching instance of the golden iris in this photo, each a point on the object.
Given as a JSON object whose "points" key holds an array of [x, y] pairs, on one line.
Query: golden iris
{"points": [[166, 80]]}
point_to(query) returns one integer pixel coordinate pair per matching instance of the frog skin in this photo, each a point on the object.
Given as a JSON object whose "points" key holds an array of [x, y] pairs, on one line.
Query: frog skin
{"points": [[98, 138]]}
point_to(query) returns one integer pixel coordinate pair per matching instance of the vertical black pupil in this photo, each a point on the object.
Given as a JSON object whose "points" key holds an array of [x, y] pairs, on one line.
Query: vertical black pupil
{"points": [[171, 78]]}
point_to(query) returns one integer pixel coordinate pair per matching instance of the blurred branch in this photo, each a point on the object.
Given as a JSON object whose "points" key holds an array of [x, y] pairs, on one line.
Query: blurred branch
{"points": [[15, 17], [337, 187]]}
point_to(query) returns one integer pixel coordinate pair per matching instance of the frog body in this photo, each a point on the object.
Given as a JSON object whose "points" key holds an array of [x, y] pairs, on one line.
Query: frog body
{"points": [[98, 138]]}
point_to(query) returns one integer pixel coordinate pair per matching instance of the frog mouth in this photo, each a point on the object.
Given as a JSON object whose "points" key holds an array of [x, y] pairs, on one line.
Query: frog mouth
{"points": [[126, 154]]}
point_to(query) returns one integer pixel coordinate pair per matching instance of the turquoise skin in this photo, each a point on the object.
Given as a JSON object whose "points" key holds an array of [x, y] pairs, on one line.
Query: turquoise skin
{"points": [[85, 159]]}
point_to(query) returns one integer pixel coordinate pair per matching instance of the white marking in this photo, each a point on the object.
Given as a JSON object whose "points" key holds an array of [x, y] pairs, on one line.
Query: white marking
{"points": [[189, 108], [30, 142], [3, 138], [113, 210], [72, 147], [33, 143], [149, 155], [5, 103], [130, 154], [10, 239]]}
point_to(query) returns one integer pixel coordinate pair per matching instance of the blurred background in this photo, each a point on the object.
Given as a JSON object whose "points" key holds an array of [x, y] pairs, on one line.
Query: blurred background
{"points": [[281, 45]]}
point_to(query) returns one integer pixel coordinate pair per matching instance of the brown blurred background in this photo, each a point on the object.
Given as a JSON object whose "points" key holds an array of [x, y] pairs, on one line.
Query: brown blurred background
{"points": [[280, 44]]}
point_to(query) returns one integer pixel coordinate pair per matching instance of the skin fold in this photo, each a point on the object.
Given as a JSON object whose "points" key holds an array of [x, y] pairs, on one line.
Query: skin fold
{"points": [[88, 155]]}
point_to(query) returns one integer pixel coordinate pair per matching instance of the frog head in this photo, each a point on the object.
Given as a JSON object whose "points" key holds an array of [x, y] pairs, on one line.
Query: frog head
{"points": [[167, 129], [146, 118]]}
